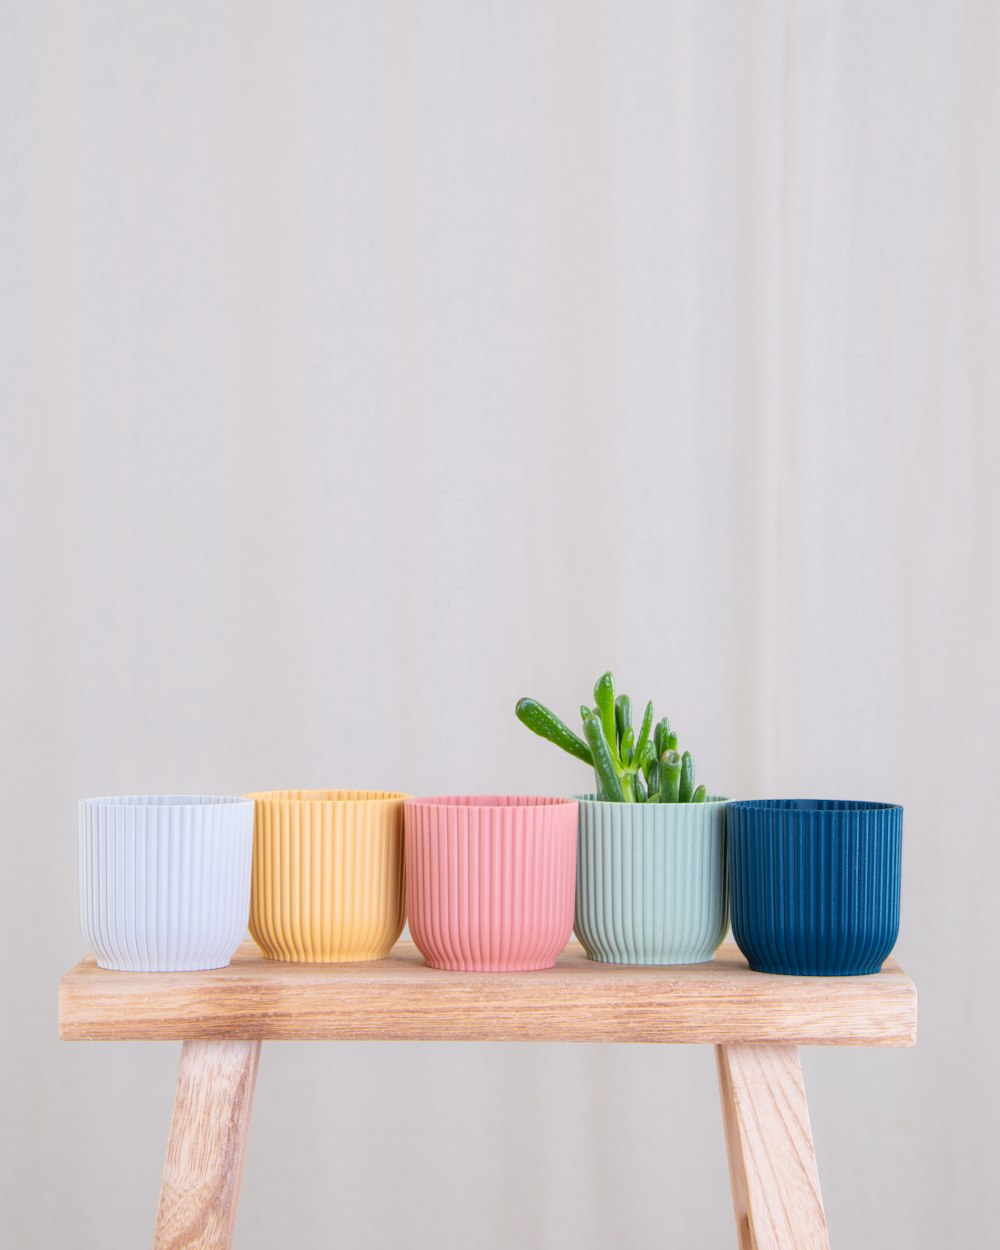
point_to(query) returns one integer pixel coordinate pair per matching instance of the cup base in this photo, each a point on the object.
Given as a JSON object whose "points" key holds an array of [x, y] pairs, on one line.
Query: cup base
{"points": [[352, 957], [786, 971], [505, 967], [196, 965], [663, 962]]}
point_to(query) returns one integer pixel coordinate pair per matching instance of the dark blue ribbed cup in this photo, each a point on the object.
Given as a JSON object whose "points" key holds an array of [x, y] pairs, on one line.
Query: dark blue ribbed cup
{"points": [[814, 884]]}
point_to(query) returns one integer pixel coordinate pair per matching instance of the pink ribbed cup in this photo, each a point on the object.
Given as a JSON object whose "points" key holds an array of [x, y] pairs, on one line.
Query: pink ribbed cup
{"points": [[490, 880]]}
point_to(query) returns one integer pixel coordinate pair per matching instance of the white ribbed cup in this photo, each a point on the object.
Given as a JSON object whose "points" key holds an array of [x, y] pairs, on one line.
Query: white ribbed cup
{"points": [[165, 880]]}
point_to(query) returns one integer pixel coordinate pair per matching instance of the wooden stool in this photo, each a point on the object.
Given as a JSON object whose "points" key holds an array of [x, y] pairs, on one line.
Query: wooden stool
{"points": [[755, 1022]]}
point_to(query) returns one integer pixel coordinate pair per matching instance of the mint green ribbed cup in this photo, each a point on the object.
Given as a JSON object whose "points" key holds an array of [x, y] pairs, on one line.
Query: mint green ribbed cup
{"points": [[651, 881]]}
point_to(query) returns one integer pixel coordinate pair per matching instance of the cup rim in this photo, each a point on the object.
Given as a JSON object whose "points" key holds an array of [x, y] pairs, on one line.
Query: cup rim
{"points": [[713, 800], [326, 796], [159, 801], [798, 807], [489, 802]]}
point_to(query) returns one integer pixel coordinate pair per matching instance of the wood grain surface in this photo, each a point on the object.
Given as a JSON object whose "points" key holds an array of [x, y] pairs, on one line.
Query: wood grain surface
{"points": [[772, 1164], [400, 998], [207, 1146]]}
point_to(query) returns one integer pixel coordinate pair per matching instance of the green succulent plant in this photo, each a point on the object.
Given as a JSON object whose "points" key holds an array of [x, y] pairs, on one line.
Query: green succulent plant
{"points": [[630, 767]]}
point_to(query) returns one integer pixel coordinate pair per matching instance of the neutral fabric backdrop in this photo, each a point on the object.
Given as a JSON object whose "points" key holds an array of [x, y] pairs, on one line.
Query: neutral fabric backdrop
{"points": [[369, 365]]}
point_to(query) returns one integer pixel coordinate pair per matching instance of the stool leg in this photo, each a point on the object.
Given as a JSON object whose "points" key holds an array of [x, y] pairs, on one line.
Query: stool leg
{"points": [[772, 1165], [207, 1146]]}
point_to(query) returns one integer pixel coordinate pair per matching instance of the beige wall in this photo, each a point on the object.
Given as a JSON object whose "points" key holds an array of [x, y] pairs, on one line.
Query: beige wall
{"points": [[367, 366]]}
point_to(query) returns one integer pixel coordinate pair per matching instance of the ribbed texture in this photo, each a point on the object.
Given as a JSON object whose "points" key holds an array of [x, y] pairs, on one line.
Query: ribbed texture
{"points": [[490, 880], [327, 874], [815, 884], [164, 880], [651, 881]]}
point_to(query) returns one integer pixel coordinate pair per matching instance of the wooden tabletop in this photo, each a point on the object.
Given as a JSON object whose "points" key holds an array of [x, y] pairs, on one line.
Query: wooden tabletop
{"points": [[401, 999]]}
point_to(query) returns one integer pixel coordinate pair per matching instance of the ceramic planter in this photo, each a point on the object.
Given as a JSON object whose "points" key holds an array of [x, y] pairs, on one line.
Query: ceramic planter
{"points": [[164, 880], [815, 884], [651, 881], [490, 880], [327, 874]]}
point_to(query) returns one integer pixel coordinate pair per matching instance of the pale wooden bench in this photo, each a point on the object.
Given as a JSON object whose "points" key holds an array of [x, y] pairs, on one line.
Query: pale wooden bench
{"points": [[755, 1022]]}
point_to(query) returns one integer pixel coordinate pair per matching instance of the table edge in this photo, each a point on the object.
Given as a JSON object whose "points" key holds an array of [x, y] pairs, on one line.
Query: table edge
{"points": [[895, 1005]]}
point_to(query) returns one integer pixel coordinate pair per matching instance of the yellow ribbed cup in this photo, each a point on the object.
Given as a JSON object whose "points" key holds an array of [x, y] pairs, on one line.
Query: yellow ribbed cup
{"points": [[327, 881]]}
